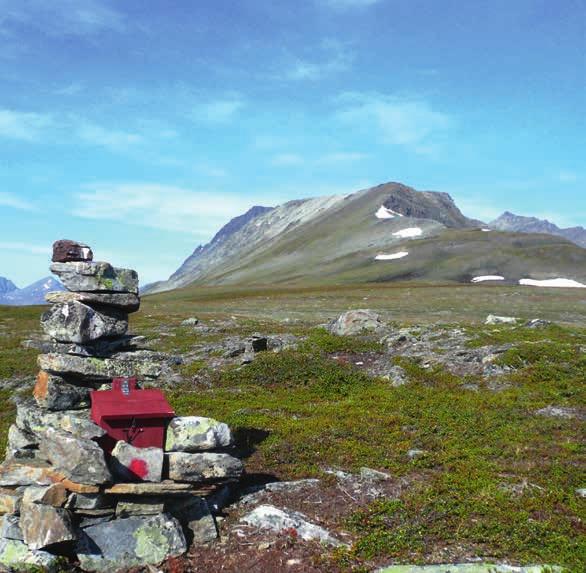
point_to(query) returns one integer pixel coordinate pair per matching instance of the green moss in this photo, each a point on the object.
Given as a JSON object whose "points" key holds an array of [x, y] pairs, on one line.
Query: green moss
{"points": [[321, 339]]}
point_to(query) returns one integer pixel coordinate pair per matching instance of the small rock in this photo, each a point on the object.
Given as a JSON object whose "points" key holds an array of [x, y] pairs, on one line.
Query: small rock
{"points": [[373, 475], [15, 555], [137, 508], [79, 323], [186, 467], [558, 412], [55, 495], [66, 251], [414, 454], [126, 543], [190, 321], [494, 319], [277, 520], [355, 322], [96, 277], [397, 375], [10, 527], [131, 464], [54, 393], [581, 492], [194, 513], [537, 323], [194, 433], [124, 301], [10, 501], [44, 526]]}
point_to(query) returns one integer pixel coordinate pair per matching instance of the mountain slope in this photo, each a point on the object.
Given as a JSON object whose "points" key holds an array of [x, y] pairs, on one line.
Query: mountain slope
{"points": [[510, 222], [6, 286], [32, 294]]}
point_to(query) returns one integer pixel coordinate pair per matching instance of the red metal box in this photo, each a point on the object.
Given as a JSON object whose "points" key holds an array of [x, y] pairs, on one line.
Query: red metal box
{"points": [[138, 417]]}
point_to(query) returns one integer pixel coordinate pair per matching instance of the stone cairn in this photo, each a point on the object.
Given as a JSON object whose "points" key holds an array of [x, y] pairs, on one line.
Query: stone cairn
{"points": [[61, 494]]}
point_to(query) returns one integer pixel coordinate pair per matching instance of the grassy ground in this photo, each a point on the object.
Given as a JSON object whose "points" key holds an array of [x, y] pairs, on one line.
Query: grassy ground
{"points": [[495, 480]]}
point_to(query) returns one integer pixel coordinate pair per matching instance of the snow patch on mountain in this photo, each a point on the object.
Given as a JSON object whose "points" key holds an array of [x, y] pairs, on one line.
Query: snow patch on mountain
{"points": [[409, 233], [384, 213], [487, 278], [559, 283], [392, 257]]}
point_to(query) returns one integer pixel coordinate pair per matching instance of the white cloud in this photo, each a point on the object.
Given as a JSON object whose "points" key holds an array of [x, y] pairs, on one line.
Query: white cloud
{"points": [[336, 58], [159, 206], [11, 200], [113, 139], [25, 126], [287, 160], [568, 177], [25, 248], [218, 111], [61, 17], [408, 122]]}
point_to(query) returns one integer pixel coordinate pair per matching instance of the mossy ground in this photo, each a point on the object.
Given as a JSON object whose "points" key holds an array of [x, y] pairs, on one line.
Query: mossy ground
{"points": [[495, 480]]}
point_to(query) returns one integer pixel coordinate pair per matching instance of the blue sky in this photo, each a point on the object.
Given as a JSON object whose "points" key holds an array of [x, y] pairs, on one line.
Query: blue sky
{"points": [[141, 127]]}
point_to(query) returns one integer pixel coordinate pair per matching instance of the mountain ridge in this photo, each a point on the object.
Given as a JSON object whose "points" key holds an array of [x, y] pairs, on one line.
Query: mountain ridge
{"points": [[32, 294]]}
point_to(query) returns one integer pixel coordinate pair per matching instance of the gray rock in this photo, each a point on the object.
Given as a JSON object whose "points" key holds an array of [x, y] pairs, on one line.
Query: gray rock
{"points": [[559, 412], [275, 519], [193, 511], [146, 506], [581, 492], [96, 277], [55, 495], [124, 301], [34, 420], [136, 464], [89, 501], [538, 323], [257, 343], [143, 364], [397, 376], [79, 459], [21, 444], [10, 500], [15, 555], [44, 526], [79, 323], [54, 393], [414, 454], [374, 475], [10, 527], [190, 321], [492, 319], [185, 467], [125, 543], [104, 348], [253, 494], [195, 433], [356, 322]]}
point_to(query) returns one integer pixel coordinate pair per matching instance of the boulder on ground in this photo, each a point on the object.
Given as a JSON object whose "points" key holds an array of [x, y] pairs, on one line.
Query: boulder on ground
{"points": [[190, 321], [494, 319], [195, 433], [136, 464], [79, 323], [55, 393], [194, 512], [185, 467], [15, 555], [44, 526], [125, 543], [356, 322], [127, 302], [96, 277]]}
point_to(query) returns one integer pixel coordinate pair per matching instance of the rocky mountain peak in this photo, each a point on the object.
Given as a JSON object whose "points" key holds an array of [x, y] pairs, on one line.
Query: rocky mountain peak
{"points": [[6, 286]]}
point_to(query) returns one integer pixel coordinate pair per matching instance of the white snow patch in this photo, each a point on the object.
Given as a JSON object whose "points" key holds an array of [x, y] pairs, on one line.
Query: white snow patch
{"points": [[384, 213], [564, 283], [488, 278], [47, 285], [391, 257], [486, 230], [410, 232]]}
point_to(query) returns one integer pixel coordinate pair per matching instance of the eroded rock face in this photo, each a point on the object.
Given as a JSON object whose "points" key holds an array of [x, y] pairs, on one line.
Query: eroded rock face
{"points": [[96, 277], [137, 464], [55, 393], [124, 543], [195, 433], [185, 467], [127, 302], [79, 323], [356, 322], [80, 459], [43, 525]]}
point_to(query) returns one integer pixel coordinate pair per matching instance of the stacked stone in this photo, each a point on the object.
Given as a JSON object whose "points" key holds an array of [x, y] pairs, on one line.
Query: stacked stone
{"points": [[60, 493]]}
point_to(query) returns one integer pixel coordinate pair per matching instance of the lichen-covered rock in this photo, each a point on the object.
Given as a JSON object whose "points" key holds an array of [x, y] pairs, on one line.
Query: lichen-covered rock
{"points": [[44, 526], [103, 348], [194, 513], [186, 467], [80, 501], [10, 500], [195, 433], [96, 277], [79, 323], [36, 421], [356, 322], [144, 506], [55, 495], [55, 393], [142, 364], [15, 555], [277, 520], [21, 444], [10, 527], [136, 464], [127, 302], [125, 543], [81, 460]]}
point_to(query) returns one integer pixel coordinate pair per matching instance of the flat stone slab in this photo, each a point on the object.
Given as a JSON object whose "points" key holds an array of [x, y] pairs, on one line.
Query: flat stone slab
{"points": [[99, 348], [125, 301], [119, 365], [203, 467], [126, 543], [96, 277], [162, 488], [195, 434]]}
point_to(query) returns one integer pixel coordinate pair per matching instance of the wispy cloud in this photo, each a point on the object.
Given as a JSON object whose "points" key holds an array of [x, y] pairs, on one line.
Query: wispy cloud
{"points": [[25, 126], [110, 138], [25, 248], [62, 17], [568, 177], [287, 160], [408, 122], [335, 57], [221, 110], [159, 206], [15, 202]]}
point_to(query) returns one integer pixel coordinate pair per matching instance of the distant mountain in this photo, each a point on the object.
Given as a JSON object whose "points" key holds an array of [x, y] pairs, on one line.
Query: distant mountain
{"points": [[32, 294], [519, 224], [6, 286], [385, 233]]}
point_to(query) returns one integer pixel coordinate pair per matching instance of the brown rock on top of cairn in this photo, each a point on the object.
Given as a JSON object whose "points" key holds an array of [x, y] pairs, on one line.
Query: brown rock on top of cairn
{"points": [[66, 251]]}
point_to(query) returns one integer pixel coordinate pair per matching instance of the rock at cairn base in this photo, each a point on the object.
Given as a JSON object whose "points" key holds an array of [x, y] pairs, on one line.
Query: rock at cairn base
{"points": [[96, 277], [44, 526], [195, 434], [137, 464], [65, 251], [203, 467], [79, 323]]}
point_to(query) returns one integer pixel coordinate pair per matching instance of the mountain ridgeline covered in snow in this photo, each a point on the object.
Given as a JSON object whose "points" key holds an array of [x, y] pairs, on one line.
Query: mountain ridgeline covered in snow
{"points": [[35, 293], [390, 232]]}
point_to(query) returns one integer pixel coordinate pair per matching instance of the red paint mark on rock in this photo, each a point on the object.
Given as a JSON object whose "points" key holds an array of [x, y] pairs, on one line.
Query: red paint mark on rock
{"points": [[139, 468]]}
